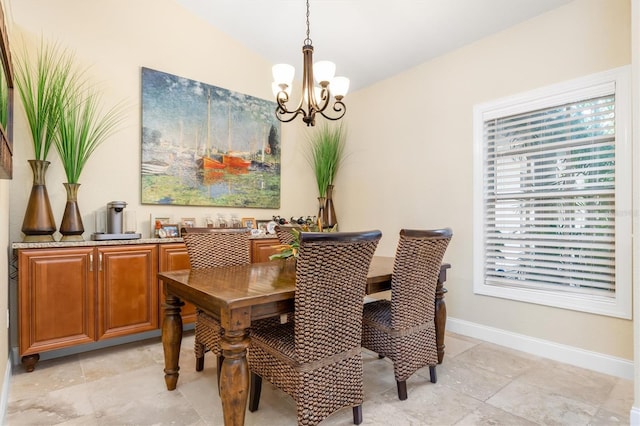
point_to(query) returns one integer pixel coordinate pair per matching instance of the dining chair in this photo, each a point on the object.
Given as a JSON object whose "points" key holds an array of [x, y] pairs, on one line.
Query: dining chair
{"points": [[317, 357], [284, 234], [214, 247], [403, 328]]}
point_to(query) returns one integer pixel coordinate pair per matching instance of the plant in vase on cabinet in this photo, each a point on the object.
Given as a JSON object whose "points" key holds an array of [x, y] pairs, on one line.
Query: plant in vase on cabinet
{"points": [[61, 107], [40, 87], [83, 126], [325, 155]]}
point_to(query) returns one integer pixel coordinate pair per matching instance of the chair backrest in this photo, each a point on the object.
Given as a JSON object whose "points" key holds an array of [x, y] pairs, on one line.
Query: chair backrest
{"points": [[209, 247], [415, 275], [331, 278], [283, 232]]}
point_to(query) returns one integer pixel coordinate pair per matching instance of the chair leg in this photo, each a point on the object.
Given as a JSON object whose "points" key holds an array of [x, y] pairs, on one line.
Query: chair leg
{"points": [[199, 350], [432, 373], [402, 390], [357, 414], [255, 387]]}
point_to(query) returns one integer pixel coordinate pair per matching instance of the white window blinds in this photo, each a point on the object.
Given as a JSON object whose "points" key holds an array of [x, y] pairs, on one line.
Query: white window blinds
{"points": [[550, 214]]}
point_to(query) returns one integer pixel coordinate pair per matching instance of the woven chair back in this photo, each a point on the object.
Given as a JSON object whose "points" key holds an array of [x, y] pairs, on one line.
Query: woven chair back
{"points": [[211, 247], [415, 274], [284, 233], [331, 278]]}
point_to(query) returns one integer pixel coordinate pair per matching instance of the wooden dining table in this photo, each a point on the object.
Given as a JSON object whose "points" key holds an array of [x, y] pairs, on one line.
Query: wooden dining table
{"points": [[238, 295]]}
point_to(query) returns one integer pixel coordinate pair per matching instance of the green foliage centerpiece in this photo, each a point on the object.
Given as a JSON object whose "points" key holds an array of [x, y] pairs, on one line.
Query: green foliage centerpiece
{"points": [[325, 154]]}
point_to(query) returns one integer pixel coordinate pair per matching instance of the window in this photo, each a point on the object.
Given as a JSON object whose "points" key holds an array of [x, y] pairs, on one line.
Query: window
{"points": [[552, 206]]}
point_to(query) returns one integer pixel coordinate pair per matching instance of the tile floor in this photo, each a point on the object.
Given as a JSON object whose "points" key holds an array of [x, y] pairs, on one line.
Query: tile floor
{"points": [[478, 384]]}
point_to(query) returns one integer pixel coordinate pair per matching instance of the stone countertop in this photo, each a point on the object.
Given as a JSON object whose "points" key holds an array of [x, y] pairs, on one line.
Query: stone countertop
{"points": [[89, 243]]}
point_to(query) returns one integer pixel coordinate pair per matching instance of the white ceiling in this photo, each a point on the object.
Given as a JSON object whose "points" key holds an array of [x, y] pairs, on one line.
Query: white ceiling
{"points": [[369, 40]]}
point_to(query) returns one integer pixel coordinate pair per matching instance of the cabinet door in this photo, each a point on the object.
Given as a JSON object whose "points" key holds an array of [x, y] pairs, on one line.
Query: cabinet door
{"points": [[172, 258], [56, 298], [127, 289], [262, 248]]}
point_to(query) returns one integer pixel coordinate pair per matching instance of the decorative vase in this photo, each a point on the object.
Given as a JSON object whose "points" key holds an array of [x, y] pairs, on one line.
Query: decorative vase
{"points": [[38, 224], [321, 215], [71, 227], [329, 211]]}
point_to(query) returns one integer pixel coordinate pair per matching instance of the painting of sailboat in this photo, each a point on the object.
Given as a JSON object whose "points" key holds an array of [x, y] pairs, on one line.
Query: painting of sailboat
{"points": [[204, 145]]}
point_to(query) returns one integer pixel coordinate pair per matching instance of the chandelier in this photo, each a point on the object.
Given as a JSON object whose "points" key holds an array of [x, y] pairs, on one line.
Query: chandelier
{"points": [[314, 99]]}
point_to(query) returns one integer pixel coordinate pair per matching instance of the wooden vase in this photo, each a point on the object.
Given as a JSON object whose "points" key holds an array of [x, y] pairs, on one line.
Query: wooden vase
{"points": [[330, 214], [71, 227], [321, 212], [38, 224]]}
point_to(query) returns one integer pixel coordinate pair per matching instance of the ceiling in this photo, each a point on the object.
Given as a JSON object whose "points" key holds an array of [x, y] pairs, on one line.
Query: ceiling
{"points": [[369, 40]]}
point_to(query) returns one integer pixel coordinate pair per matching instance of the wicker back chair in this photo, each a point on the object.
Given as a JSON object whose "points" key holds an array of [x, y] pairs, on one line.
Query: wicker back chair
{"points": [[403, 329], [214, 247], [317, 358], [283, 232]]}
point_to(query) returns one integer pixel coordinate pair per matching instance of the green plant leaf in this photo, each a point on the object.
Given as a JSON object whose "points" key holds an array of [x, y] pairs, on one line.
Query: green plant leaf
{"points": [[325, 153]]}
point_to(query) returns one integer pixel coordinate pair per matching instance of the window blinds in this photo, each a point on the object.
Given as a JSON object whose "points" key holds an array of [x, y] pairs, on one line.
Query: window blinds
{"points": [[549, 192]]}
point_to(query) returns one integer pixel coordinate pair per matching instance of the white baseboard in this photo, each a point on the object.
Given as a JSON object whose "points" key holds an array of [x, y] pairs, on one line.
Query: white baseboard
{"points": [[6, 386], [634, 417], [595, 361]]}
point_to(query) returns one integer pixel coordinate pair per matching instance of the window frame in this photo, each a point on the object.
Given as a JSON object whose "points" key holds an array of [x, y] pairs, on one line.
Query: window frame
{"points": [[558, 94]]}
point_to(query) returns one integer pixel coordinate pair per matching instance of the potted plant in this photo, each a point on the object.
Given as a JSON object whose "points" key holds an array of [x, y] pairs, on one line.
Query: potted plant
{"points": [[325, 155], [83, 125], [40, 86]]}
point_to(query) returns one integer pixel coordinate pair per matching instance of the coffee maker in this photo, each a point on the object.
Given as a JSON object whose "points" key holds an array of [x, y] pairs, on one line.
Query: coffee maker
{"points": [[115, 224]]}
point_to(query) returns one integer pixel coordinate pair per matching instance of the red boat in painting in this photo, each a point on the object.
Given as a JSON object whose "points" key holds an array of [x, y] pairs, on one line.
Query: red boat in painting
{"points": [[233, 161], [208, 163]]}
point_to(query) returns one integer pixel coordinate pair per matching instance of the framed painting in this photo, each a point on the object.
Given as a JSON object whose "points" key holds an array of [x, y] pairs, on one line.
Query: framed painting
{"points": [[203, 145]]}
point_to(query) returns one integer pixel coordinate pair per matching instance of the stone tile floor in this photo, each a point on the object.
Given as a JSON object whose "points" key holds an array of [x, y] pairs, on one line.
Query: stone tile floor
{"points": [[479, 383]]}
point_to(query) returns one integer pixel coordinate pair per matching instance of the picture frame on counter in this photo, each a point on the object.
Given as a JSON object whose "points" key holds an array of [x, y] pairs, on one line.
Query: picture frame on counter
{"points": [[248, 222], [171, 230]]}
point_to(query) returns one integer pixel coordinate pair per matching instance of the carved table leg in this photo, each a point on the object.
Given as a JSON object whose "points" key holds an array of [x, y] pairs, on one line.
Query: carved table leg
{"points": [[29, 362], [234, 375], [441, 312], [171, 340]]}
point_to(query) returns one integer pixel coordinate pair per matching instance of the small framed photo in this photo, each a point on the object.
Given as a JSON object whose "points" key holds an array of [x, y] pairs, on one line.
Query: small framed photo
{"points": [[249, 222], [171, 230], [156, 224], [262, 224], [188, 222]]}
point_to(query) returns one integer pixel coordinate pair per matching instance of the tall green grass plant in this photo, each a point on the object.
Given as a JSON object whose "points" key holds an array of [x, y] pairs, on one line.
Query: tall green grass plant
{"points": [[43, 82], [325, 154]]}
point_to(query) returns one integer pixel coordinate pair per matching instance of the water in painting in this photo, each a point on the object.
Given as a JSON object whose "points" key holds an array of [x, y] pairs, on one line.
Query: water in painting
{"points": [[203, 145]]}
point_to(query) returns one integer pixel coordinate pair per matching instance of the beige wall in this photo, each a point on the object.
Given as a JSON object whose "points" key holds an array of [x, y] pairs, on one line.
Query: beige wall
{"points": [[414, 143]]}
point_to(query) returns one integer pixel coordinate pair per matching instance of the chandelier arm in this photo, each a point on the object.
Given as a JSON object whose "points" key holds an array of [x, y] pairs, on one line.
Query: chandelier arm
{"points": [[338, 107]]}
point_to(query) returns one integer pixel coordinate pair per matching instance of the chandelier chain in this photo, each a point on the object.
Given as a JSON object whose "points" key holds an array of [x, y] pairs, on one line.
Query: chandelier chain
{"points": [[307, 41]]}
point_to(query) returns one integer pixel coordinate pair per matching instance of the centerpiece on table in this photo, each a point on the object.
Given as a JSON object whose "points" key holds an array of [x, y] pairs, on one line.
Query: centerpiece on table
{"points": [[325, 155]]}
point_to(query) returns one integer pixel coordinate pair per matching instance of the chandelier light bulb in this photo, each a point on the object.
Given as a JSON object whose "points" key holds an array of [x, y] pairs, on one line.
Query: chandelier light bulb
{"points": [[283, 74], [323, 72], [339, 87]]}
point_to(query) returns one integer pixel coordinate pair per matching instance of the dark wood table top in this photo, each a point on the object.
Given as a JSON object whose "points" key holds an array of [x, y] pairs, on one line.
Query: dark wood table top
{"points": [[253, 284]]}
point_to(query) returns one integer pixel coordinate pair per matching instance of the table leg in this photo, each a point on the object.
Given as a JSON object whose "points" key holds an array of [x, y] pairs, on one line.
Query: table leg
{"points": [[234, 379], [171, 340]]}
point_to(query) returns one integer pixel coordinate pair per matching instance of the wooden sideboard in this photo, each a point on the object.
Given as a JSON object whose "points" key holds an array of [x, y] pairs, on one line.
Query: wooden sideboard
{"points": [[73, 294]]}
